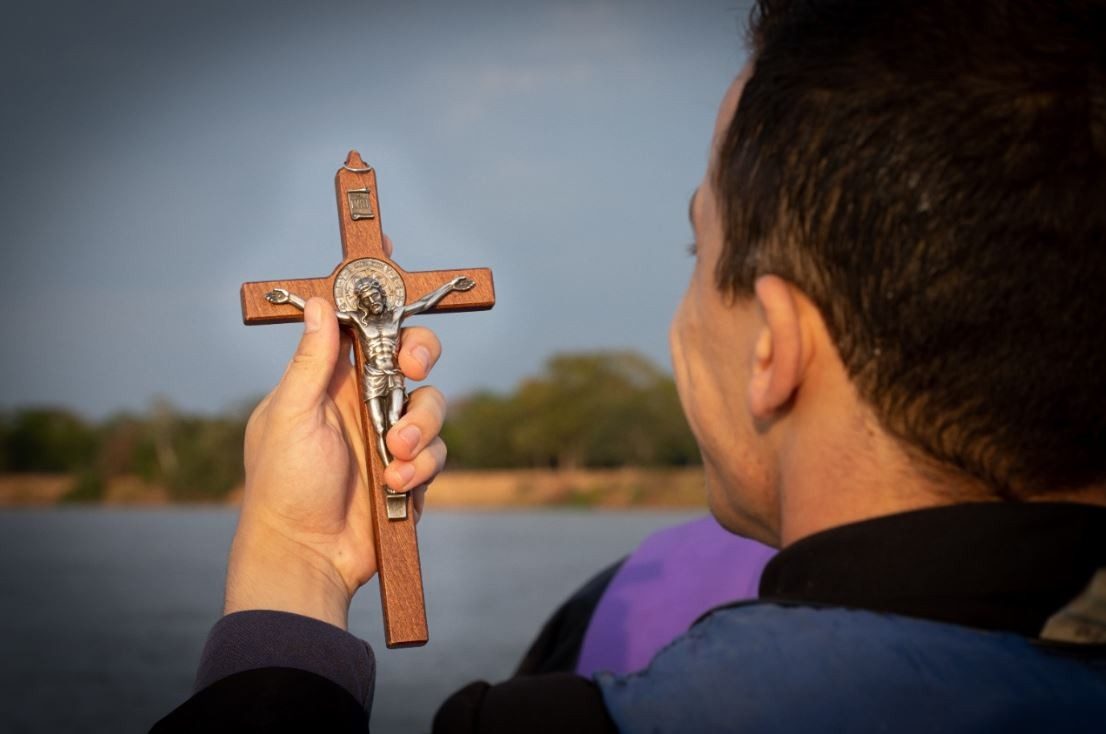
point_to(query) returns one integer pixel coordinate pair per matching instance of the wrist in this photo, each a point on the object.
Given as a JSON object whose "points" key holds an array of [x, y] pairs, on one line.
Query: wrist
{"points": [[267, 570]]}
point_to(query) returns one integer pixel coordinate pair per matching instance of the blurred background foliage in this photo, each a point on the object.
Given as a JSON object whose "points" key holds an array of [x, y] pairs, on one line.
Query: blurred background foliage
{"points": [[606, 409], [602, 409], [194, 458]]}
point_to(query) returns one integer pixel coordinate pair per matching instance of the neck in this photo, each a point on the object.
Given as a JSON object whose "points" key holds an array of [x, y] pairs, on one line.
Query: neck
{"points": [[834, 464], [831, 485], [839, 466]]}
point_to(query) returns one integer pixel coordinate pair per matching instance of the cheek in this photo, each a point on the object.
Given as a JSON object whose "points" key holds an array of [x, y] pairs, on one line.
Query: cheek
{"points": [[707, 377], [696, 371], [675, 343], [681, 334]]}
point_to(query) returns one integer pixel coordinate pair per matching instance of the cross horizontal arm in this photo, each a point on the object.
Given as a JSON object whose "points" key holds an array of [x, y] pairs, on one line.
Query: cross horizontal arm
{"points": [[257, 310], [480, 298]]}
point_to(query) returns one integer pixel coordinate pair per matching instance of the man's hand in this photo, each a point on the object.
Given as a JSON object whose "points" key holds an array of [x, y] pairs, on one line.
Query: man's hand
{"points": [[304, 539]]}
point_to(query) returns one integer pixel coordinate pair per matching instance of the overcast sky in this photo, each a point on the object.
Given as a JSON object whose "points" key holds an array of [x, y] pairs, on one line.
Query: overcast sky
{"points": [[157, 154]]}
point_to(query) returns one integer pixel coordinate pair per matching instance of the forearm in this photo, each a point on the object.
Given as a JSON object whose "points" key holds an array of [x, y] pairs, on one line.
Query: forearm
{"points": [[430, 300], [267, 571]]}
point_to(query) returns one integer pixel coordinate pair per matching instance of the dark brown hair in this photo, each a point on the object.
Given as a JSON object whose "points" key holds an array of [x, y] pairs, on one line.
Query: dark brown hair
{"points": [[933, 176]]}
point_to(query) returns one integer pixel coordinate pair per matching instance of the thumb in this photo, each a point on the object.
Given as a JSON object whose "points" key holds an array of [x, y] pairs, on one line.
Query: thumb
{"points": [[305, 381]]}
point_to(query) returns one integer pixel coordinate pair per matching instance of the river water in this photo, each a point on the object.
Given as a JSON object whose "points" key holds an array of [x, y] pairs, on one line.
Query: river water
{"points": [[103, 611]]}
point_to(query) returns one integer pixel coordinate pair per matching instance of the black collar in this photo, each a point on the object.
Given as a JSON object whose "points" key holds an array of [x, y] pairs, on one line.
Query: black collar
{"points": [[996, 565]]}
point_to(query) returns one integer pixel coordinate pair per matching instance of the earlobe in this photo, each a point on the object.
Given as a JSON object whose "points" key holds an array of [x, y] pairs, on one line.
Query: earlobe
{"points": [[778, 352]]}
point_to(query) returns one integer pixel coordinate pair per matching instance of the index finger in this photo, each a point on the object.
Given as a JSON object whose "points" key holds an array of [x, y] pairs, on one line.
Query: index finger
{"points": [[419, 351]]}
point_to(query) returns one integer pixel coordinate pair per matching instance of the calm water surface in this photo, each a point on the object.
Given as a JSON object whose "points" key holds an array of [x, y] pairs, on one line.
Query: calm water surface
{"points": [[104, 611]]}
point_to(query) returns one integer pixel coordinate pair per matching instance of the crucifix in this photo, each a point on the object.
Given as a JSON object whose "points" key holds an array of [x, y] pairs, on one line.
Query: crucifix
{"points": [[370, 293]]}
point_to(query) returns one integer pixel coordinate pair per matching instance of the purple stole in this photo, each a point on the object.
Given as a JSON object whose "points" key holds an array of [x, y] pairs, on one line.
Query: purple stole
{"points": [[673, 577]]}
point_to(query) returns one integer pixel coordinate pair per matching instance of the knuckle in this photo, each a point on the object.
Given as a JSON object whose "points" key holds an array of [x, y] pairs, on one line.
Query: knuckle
{"points": [[429, 399], [258, 414], [302, 358], [438, 452], [421, 336]]}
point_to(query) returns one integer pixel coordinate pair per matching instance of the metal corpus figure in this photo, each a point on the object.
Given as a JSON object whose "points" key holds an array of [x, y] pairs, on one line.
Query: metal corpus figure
{"points": [[378, 329]]}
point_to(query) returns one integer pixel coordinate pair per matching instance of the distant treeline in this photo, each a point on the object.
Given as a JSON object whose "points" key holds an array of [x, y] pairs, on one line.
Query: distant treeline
{"points": [[585, 410], [194, 457]]}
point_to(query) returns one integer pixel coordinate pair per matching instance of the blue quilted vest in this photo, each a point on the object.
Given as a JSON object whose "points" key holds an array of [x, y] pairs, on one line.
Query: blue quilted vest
{"points": [[760, 667]]}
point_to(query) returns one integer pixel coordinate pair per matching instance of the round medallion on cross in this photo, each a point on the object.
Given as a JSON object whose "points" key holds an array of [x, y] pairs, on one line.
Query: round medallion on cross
{"points": [[368, 267]]}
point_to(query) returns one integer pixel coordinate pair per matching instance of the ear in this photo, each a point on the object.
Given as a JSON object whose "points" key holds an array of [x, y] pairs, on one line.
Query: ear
{"points": [[777, 369]]}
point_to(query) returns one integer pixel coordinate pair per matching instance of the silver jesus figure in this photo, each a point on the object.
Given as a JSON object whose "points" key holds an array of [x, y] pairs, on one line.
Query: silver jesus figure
{"points": [[378, 326]]}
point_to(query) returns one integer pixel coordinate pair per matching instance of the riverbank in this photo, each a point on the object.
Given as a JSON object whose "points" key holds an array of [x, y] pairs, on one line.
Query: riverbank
{"points": [[454, 489]]}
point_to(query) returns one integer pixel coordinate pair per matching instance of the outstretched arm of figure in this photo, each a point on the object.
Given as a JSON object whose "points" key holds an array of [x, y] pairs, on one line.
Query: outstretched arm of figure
{"points": [[280, 295], [430, 300]]}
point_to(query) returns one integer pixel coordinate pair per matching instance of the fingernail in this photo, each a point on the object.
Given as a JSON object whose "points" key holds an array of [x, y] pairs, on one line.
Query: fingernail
{"points": [[410, 435], [422, 356], [404, 471], [312, 318]]}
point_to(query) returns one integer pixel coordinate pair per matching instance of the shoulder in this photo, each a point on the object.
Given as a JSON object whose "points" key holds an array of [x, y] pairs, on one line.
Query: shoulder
{"points": [[786, 668], [537, 704]]}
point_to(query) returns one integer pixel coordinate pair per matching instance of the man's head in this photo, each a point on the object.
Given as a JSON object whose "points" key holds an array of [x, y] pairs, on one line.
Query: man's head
{"points": [[370, 294], [930, 178]]}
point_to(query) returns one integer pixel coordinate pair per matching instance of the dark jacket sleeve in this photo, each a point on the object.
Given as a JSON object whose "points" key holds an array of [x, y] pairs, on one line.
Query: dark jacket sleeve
{"points": [[287, 699], [268, 700], [266, 639], [274, 671], [271, 671]]}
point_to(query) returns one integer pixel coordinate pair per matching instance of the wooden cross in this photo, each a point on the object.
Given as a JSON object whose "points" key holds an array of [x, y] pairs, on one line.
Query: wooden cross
{"points": [[397, 551]]}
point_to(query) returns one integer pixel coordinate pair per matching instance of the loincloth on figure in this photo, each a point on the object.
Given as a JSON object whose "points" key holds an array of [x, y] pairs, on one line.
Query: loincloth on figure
{"points": [[381, 381]]}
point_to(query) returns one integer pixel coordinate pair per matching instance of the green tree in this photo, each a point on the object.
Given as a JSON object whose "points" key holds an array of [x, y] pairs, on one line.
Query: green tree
{"points": [[480, 437], [48, 440], [208, 457], [5, 438], [595, 409], [195, 457], [127, 447]]}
